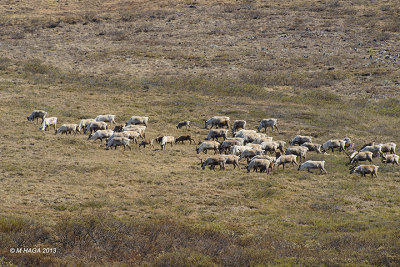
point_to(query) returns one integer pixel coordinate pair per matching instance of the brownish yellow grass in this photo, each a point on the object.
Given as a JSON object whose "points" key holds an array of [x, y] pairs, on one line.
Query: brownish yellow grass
{"points": [[191, 60]]}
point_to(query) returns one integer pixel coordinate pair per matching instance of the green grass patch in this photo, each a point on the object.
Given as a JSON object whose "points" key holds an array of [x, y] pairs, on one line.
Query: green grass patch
{"points": [[4, 63], [387, 107]]}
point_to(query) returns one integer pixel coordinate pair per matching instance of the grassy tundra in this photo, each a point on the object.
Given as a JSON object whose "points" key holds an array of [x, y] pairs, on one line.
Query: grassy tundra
{"points": [[328, 69]]}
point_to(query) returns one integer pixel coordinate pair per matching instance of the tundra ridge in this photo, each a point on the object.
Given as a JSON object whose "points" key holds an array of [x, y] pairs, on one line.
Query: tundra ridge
{"points": [[323, 69]]}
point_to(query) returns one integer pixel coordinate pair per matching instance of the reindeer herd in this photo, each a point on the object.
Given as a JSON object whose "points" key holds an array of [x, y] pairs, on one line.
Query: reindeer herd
{"points": [[254, 147]]}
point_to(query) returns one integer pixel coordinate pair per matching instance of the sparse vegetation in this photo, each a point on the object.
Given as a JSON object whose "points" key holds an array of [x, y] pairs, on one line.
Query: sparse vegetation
{"points": [[4, 63], [328, 69]]}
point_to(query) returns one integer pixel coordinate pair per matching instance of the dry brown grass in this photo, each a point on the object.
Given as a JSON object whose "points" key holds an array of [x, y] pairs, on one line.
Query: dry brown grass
{"points": [[176, 60]]}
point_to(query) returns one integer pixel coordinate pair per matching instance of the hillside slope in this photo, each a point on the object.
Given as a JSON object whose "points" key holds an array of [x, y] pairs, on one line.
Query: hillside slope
{"points": [[328, 69]]}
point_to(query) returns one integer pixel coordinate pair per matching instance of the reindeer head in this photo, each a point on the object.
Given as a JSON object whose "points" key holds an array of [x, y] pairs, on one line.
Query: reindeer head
{"points": [[118, 128], [352, 169], [272, 164], [203, 164], [383, 157], [248, 168]]}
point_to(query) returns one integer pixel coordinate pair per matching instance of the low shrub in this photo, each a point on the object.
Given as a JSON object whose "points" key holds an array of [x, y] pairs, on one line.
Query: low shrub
{"points": [[4, 63]]}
